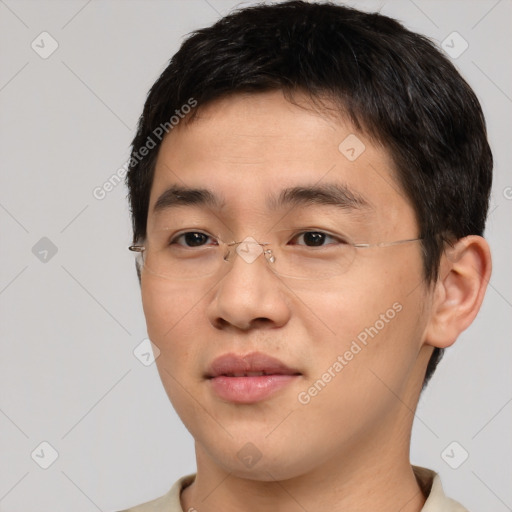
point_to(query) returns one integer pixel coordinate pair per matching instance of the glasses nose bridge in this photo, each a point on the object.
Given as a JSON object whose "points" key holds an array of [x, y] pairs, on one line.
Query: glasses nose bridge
{"points": [[249, 252]]}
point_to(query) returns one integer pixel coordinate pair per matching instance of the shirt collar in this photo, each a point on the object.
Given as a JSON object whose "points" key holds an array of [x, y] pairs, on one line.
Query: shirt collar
{"points": [[430, 484]]}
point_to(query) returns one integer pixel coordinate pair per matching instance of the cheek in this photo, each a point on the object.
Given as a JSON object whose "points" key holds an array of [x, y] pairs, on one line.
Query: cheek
{"points": [[173, 326], [341, 311], [374, 326], [172, 319], [165, 306]]}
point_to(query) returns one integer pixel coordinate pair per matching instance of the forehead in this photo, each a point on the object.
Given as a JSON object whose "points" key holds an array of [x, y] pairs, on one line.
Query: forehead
{"points": [[248, 148]]}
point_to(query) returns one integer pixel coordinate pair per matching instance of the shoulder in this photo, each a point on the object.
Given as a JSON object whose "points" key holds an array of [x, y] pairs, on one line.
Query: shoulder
{"points": [[169, 502]]}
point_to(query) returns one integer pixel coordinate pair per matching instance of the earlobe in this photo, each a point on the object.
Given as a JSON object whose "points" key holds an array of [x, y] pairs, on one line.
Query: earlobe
{"points": [[464, 272]]}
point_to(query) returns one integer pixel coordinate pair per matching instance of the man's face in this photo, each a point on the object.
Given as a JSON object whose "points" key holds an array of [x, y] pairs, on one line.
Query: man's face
{"points": [[354, 341]]}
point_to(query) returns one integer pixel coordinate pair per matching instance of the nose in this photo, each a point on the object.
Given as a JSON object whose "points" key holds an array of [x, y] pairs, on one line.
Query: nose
{"points": [[249, 295]]}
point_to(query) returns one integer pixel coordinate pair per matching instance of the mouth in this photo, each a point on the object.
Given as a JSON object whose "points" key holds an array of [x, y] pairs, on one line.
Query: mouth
{"points": [[250, 378], [248, 374]]}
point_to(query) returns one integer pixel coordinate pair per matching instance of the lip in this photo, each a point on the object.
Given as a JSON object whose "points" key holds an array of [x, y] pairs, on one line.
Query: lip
{"points": [[232, 377]]}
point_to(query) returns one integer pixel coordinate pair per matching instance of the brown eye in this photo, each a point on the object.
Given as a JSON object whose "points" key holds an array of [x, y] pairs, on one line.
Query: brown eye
{"points": [[191, 239], [315, 238]]}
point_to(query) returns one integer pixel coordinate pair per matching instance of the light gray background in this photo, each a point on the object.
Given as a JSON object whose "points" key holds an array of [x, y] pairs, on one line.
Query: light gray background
{"points": [[68, 375]]}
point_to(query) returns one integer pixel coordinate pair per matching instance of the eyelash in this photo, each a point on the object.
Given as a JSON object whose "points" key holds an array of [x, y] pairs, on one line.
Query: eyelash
{"points": [[340, 240]]}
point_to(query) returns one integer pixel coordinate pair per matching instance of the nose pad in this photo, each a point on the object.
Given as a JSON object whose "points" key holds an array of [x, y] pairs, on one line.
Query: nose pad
{"points": [[269, 256]]}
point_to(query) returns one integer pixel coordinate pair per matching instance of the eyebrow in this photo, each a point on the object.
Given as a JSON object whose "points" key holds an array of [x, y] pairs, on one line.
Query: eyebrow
{"points": [[185, 196], [331, 194]]}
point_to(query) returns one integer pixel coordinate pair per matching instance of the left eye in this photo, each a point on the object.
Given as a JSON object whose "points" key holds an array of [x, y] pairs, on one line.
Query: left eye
{"points": [[315, 238]]}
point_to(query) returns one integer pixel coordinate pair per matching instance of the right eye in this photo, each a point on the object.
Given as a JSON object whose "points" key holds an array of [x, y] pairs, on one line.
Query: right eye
{"points": [[191, 239]]}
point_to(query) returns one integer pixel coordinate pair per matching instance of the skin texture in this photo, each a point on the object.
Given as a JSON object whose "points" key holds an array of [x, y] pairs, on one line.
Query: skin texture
{"points": [[348, 448]]}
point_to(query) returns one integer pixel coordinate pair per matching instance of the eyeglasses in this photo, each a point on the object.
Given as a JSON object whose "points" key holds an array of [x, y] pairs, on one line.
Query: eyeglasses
{"points": [[171, 260]]}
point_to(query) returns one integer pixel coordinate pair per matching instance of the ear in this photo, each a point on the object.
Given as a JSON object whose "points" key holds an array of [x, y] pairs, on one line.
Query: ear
{"points": [[464, 272]]}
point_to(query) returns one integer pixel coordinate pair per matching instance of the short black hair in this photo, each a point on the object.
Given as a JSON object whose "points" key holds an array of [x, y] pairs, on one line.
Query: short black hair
{"points": [[394, 85]]}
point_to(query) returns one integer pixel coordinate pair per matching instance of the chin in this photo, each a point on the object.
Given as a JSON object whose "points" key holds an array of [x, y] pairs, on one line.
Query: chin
{"points": [[253, 461], [263, 470]]}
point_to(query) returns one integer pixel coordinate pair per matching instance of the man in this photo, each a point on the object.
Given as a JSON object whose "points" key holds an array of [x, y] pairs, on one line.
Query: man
{"points": [[309, 186]]}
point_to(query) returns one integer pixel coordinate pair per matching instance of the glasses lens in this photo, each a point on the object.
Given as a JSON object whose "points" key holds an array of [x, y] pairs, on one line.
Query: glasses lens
{"points": [[310, 261], [177, 263]]}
